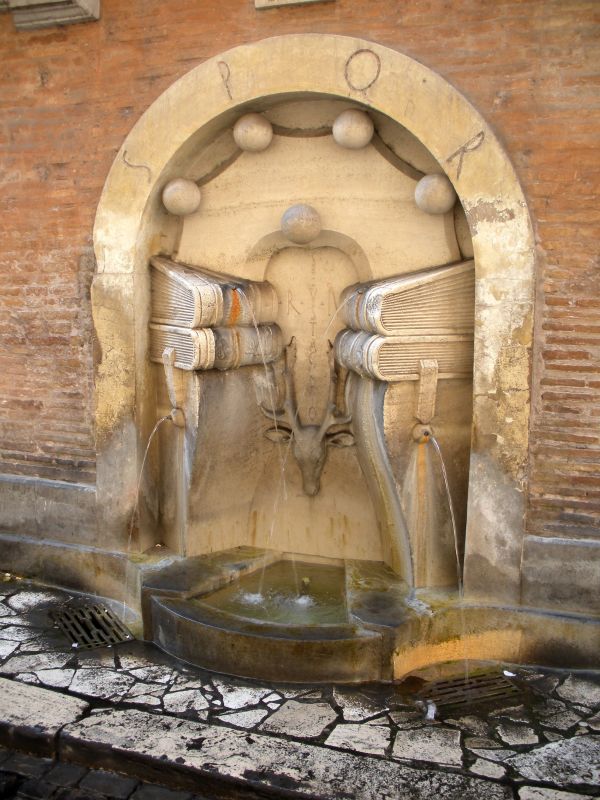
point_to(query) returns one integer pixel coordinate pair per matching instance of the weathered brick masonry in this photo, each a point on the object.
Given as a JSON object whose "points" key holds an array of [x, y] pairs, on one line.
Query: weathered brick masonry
{"points": [[69, 96]]}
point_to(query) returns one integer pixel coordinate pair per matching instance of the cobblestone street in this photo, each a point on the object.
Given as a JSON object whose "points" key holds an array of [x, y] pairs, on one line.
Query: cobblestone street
{"points": [[134, 710]]}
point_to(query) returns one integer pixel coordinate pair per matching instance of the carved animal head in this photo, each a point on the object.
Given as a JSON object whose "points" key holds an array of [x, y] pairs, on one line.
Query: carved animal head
{"points": [[309, 443]]}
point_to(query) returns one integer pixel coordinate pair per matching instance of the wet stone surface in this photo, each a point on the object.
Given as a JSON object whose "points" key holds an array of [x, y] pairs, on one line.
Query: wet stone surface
{"points": [[376, 741]]}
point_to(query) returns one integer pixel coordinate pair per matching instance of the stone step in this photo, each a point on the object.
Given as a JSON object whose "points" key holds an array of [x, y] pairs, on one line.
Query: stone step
{"points": [[226, 763]]}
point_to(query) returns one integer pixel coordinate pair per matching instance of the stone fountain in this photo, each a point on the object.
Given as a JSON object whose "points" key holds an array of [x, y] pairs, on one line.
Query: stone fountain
{"points": [[287, 273]]}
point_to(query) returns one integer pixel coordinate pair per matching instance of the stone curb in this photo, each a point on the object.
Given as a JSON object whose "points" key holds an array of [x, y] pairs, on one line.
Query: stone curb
{"points": [[231, 763], [31, 718]]}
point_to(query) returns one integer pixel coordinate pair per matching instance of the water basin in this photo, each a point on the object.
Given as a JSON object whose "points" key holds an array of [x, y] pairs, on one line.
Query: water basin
{"points": [[286, 592]]}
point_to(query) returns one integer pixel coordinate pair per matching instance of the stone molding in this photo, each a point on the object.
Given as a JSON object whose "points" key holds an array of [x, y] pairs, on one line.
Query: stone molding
{"points": [[33, 14], [465, 146]]}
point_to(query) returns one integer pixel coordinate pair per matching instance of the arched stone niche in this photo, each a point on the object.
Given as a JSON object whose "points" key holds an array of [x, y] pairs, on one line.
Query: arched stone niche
{"points": [[131, 224]]}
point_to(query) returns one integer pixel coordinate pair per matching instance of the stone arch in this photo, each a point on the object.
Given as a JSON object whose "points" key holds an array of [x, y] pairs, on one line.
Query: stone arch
{"points": [[184, 117]]}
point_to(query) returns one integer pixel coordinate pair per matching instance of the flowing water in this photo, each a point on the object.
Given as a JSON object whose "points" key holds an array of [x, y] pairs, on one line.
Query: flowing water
{"points": [[459, 571], [459, 575], [128, 573]]}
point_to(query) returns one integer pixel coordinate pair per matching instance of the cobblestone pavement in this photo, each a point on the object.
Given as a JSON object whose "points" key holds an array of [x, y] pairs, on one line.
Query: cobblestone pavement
{"points": [[544, 744], [36, 778]]}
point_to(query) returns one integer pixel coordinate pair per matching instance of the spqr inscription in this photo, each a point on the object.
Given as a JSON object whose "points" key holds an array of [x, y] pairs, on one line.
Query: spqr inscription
{"points": [[473, 143], [225, 77]]}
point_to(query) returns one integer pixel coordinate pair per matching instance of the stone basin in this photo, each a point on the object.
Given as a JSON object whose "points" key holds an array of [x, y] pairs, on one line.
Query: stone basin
{"points": [[243, 612]]}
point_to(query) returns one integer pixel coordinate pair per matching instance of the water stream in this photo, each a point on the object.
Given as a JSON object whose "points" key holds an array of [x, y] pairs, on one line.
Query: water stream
{"points": [[128, 572], [459, 571], [459, 575]]}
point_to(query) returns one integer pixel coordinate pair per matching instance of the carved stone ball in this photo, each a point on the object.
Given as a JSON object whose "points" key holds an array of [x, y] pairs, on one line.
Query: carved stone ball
{"points": [[353, 129], [253, 133], [181, 197], [301, 223], [434, 194]]}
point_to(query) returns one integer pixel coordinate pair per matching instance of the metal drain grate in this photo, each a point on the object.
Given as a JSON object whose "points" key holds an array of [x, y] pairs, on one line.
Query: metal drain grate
{"points": [[91, 626], [475, 690]]}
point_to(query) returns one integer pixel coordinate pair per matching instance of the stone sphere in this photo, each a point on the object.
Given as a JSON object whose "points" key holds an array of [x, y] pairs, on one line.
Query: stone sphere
{"points": [[181, 197], [353, 129], [301, 223], [253, 133], [434, 194]]}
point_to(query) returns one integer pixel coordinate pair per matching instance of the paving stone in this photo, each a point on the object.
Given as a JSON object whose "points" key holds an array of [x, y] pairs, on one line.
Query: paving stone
{"points": [[46, 642], [555, 714], [35, 789], [552, 736], [408, 719], [594, 722], [7, 648], [493, 755], [487, 769], [304, 720], [580, 691], [143, 701], [481, 743], [156, 673], [27, 765], [244, 719], [436, 744], [274, 697], [238, 696], [5, 611], [103, 658], [17, 633], [142, 688], [33, 619], [60, 678], [189, 682], [366, 738], [185, 701], [149, 792], [514, 734], [292, 692], [99, 682], [544, 684], [28, 677], [34, 716], [573, 761], [470, 723], [539, 793], [76, 794], [108, 783], [355, 706], [263, 763], [512, 713], [34, 661], [65, 775], [31, 600]]}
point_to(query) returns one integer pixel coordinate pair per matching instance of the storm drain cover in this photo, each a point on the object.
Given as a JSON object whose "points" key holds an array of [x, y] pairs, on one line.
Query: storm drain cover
{"points": [[473, 690], [92, 625]]}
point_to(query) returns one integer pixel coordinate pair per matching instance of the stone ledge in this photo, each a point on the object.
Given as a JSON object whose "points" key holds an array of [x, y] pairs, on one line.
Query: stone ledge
{"points": [[227, 761], [31, 718]]}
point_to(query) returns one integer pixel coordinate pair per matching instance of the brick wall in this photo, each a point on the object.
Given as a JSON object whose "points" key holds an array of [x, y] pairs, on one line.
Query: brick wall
{"points": [[69, 96]]}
